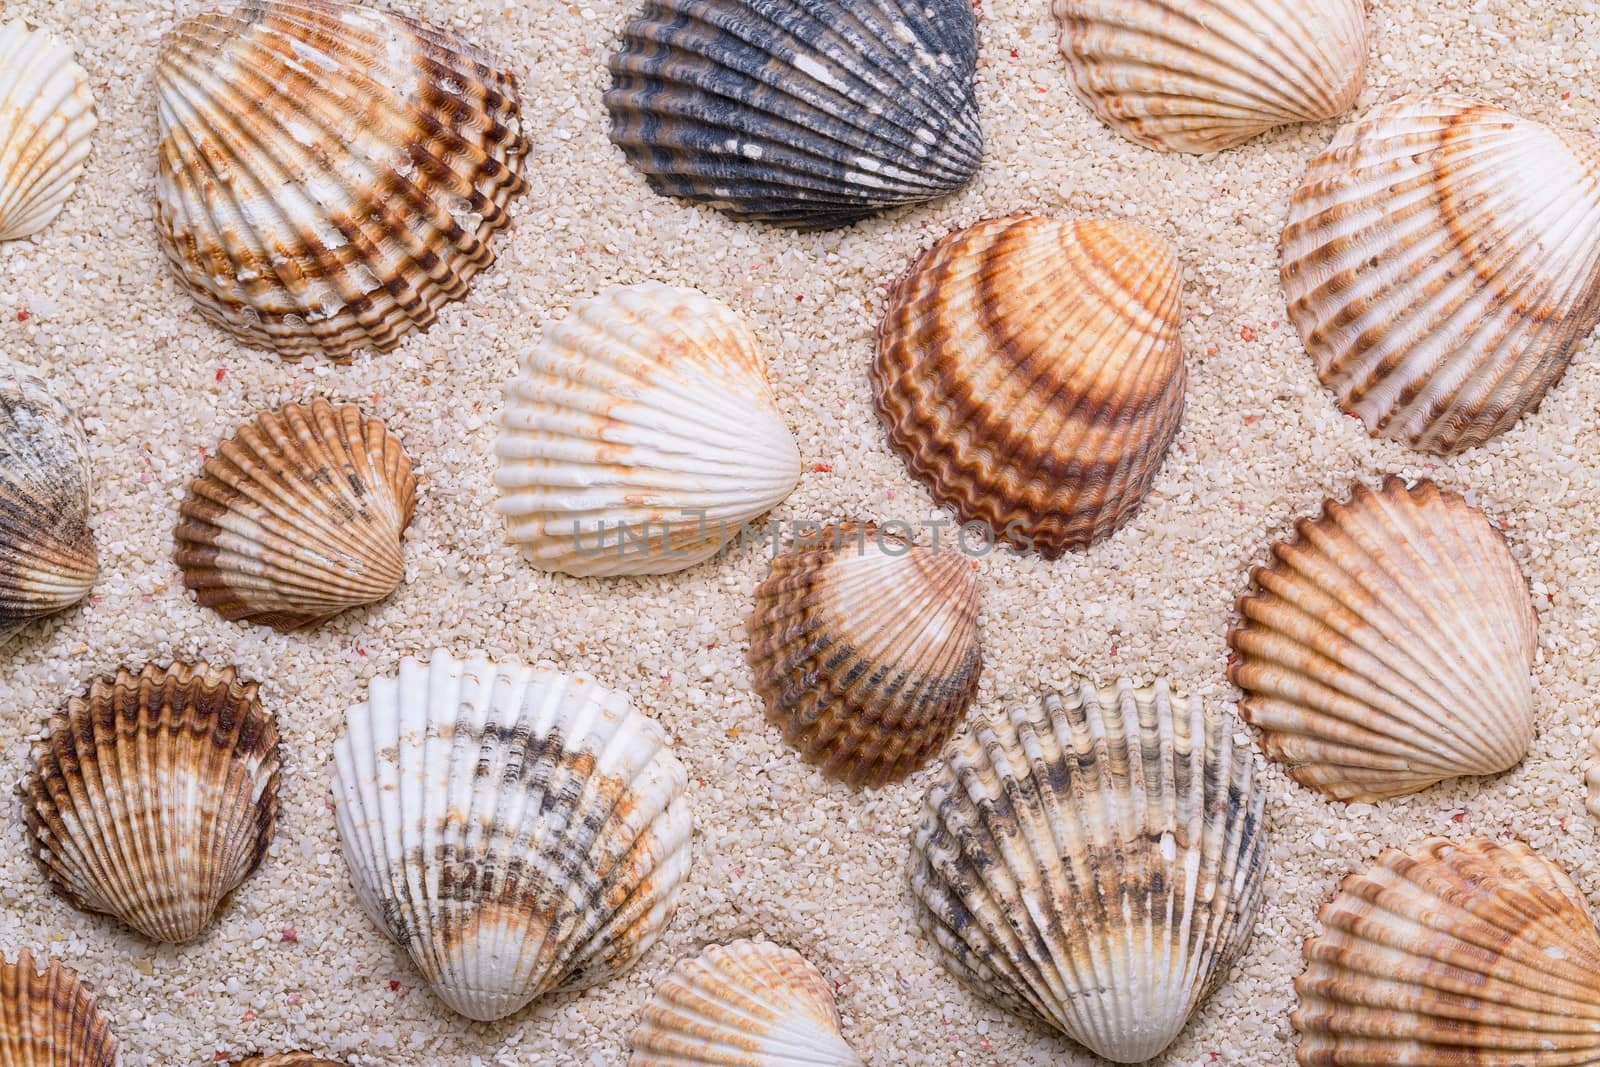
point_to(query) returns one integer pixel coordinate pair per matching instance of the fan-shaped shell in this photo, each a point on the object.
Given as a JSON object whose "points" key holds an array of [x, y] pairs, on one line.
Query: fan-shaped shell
{"points": [[155, 795], [1388, 646], [1095, 863], [298, 517], [1469, 954], [46, 119], [1203, 75], [865, 649], [288, 1059], [47, 554], [48, 1019], [1442, 262], [330, 175], [640, 436], [518, 831], [806, 115], [747, 1004], [1030, 371]]}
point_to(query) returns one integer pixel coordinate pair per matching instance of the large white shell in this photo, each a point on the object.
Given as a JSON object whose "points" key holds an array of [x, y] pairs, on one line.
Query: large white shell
{"points": [[516, 830], [640, 436], [46, 119], [1591, 773]]}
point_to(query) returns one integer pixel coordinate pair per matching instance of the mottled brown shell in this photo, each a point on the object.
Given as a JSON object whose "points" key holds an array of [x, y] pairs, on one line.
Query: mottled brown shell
{"points": [[50, 1019], [288, 1059]]}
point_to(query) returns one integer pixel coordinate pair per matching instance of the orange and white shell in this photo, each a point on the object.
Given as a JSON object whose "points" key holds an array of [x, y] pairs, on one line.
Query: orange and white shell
{"points": [[49, 1019], [46, 121], [288, 1059]]}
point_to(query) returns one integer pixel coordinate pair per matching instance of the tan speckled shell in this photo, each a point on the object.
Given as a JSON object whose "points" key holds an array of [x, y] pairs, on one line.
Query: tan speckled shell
{"points": [[1029, 370], [1095, 863], [1442, 263], [865, 649], [331, 175], [288, 1059], [1460, 954], [746, 1004], [1389, 646], [46, 119], [50, 1019], [298, 517], [155, 795]]}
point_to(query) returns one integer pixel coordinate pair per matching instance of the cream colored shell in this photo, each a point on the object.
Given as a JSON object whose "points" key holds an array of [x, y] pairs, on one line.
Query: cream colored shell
{"points": [[1591, 773], [46, 120]]}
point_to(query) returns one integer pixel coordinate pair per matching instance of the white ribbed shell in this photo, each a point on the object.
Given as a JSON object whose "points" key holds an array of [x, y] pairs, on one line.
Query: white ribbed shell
{"points": [[1591, 773], [46, 119]]}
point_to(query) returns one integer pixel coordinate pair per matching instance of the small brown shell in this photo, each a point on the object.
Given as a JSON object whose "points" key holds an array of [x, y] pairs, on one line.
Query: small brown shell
{"points": [[288, 1059], [50, 1019], [298, 517]]}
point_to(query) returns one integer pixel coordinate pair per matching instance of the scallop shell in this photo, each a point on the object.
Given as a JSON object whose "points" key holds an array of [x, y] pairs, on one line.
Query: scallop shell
{"points": [[748, 1004], [1469, 954], [46, 119], [517, 830], [47, 555], [865, 649], [1204, 75], [800, 114], [49, 1019], [155, 796], [1030, 371], [1442, 262], [1389, 646], [641, 436], [330, 175], [288, 1059], [298, 517], [1095, 863]]}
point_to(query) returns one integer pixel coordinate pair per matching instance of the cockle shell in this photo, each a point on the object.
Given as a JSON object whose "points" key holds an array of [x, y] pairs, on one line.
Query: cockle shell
{"points": [[748, 1004], [1030, 371], [1460, 954], [155, 795], [517, 830], [1204, 75], [1591, 773], [1442, 262], [288, 1059], [1095, 863], [1389, 646], [640, 436], [865, 649], [48, 1019], [805, 115], [330, 175], [46, 119], [298, 517], [47, 554]]}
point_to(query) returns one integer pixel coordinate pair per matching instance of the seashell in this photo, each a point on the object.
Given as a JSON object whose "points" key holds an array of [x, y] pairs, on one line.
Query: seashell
{"points": [[1442, 262], [1204, 75], [48, 1019], [46, 119], [748, 1004], [330, 175], [47, 555], [298, 517], [1461, 954], [518, 831], [1591, 773], [1030, 371], [1095, 863], [1389, 646], [799, 114], [865, 649], [640, 436], [155, 796], [288, 1059]]}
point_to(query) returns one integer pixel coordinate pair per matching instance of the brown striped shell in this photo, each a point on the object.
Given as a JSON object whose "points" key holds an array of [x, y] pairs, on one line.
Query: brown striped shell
{"points": [[48, 1019], [1030, 372], [298, 517], [288, 1059], [865, 649]]}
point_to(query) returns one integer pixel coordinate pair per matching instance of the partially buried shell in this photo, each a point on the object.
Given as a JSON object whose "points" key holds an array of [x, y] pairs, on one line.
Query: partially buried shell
{"points": [[1030, 371], [47, 555], [48, 1019], [288, 1059], [46, 119], [805, 114], [1442, 263], [1203, 75], [155, 795], [330, 175], [1095, 863], [298, 517], [640, 436], [1591, 773], [748, 1004], [865, 649], [1469, 954], [518, 831], [1389, 645]]}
